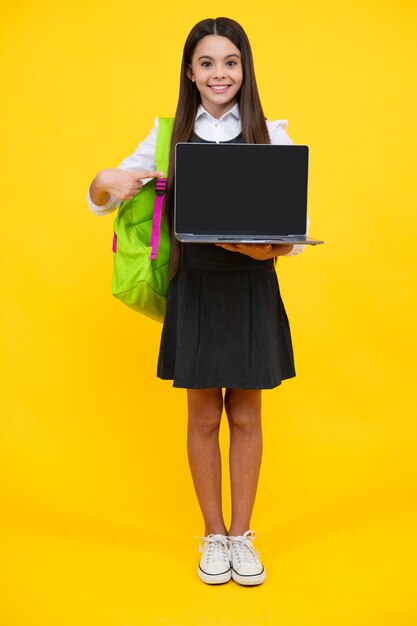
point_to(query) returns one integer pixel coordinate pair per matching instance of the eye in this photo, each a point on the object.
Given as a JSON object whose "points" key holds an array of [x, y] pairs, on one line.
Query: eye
{"points": [[231, 62], [205, 63]]}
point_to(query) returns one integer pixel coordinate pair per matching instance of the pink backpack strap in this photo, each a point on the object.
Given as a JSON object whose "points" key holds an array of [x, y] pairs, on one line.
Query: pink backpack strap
{"points": [[160, 189]]}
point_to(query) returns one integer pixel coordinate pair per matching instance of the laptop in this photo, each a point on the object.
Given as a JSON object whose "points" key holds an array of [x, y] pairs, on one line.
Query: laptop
{"points": [[241, 193]]}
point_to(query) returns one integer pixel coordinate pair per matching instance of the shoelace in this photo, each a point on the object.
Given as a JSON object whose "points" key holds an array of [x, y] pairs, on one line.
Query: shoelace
{"points": [[243, 548], [214, 546]]}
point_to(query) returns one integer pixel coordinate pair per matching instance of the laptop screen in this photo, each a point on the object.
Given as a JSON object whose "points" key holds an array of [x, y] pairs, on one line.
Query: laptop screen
{"points": [[240, 189]]}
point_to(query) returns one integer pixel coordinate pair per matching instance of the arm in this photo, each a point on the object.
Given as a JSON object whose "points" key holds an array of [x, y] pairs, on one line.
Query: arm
{"points": [[110, 187], [113, 186]]}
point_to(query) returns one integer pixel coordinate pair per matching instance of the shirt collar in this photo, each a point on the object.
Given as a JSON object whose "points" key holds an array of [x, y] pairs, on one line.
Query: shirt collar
{"points": [[233, 111]]}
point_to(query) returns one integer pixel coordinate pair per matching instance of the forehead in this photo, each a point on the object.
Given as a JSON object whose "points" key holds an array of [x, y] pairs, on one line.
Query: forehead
{"points": [[216, 47]]}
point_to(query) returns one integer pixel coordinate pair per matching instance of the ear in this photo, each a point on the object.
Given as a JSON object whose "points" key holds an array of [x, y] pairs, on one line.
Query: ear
{"points": [[190, 73]]}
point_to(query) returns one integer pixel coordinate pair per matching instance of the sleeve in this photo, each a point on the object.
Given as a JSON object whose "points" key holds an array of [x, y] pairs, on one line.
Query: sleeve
{"points": [[143, 158], [279, 136]]}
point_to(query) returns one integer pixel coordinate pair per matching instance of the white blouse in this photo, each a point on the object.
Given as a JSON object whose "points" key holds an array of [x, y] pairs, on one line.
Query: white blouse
{"points": [[224, 128]]}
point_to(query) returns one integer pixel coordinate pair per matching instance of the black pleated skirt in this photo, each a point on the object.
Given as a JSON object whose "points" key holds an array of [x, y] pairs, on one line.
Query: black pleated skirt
{"points": [[225, 323]]}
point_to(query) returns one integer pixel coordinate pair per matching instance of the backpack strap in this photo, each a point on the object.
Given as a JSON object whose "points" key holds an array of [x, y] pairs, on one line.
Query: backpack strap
{"points": [[163, 143]]}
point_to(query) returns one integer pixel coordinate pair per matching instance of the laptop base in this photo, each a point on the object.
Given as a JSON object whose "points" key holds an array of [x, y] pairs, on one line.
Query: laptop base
{"points": [[295, 240]]}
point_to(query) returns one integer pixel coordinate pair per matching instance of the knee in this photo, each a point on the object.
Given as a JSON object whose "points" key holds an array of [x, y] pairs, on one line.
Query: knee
{"points": [[205, 421], [204, 415], [243, 414]]}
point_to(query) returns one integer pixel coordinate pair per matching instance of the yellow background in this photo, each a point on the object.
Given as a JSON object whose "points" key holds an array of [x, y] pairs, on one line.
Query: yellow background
{"points": [[98, 509]]}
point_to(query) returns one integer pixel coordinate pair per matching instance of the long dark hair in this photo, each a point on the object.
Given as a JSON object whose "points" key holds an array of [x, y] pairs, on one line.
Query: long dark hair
{"points": [[254, 129]]}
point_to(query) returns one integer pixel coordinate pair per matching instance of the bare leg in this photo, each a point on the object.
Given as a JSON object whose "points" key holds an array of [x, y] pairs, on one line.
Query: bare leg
{"points": [[243, 409], [205, 407]]}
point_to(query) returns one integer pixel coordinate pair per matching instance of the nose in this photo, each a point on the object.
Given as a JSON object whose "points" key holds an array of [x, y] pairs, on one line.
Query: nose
{"points": [[219, 72]]}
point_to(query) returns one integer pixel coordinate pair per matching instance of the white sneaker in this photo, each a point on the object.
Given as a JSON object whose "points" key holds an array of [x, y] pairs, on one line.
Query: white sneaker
{"points": [[246, 566], [214, 566]]}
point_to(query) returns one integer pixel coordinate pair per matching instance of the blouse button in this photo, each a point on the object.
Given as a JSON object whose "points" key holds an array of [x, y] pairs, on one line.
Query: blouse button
{"points": [[216, 124]]}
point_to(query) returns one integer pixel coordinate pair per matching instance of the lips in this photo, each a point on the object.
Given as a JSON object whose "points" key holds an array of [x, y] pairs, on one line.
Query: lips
{"points": [[219, 88]]}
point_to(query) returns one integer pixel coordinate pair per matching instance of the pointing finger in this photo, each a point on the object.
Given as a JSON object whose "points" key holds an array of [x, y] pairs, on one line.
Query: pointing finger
{"points": [[152, 174]]}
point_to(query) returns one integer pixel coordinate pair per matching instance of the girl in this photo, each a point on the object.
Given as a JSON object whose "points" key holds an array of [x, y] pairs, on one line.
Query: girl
{"points": [[225, 324]]}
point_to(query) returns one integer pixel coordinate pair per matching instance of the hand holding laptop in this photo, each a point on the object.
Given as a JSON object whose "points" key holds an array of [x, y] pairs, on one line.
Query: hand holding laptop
{"points": [[258, 251]]}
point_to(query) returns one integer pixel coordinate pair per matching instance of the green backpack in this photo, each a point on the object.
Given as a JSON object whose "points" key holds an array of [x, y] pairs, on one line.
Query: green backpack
{"points": [[141, 243]]}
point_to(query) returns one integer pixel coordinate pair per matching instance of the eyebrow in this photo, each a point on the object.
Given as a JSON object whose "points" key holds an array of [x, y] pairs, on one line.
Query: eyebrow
{"points": [[205, 56]]}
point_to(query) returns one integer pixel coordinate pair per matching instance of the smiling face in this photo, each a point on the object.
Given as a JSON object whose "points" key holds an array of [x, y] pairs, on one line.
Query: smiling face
{"points": [[216, 69]]}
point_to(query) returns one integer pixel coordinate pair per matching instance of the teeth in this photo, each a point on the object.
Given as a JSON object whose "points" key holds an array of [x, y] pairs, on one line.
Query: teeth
{"points": [[219, 88]]}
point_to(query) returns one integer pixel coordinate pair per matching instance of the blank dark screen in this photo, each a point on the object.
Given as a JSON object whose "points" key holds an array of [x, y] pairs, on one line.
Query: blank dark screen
{"points": [[242, 189]]}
